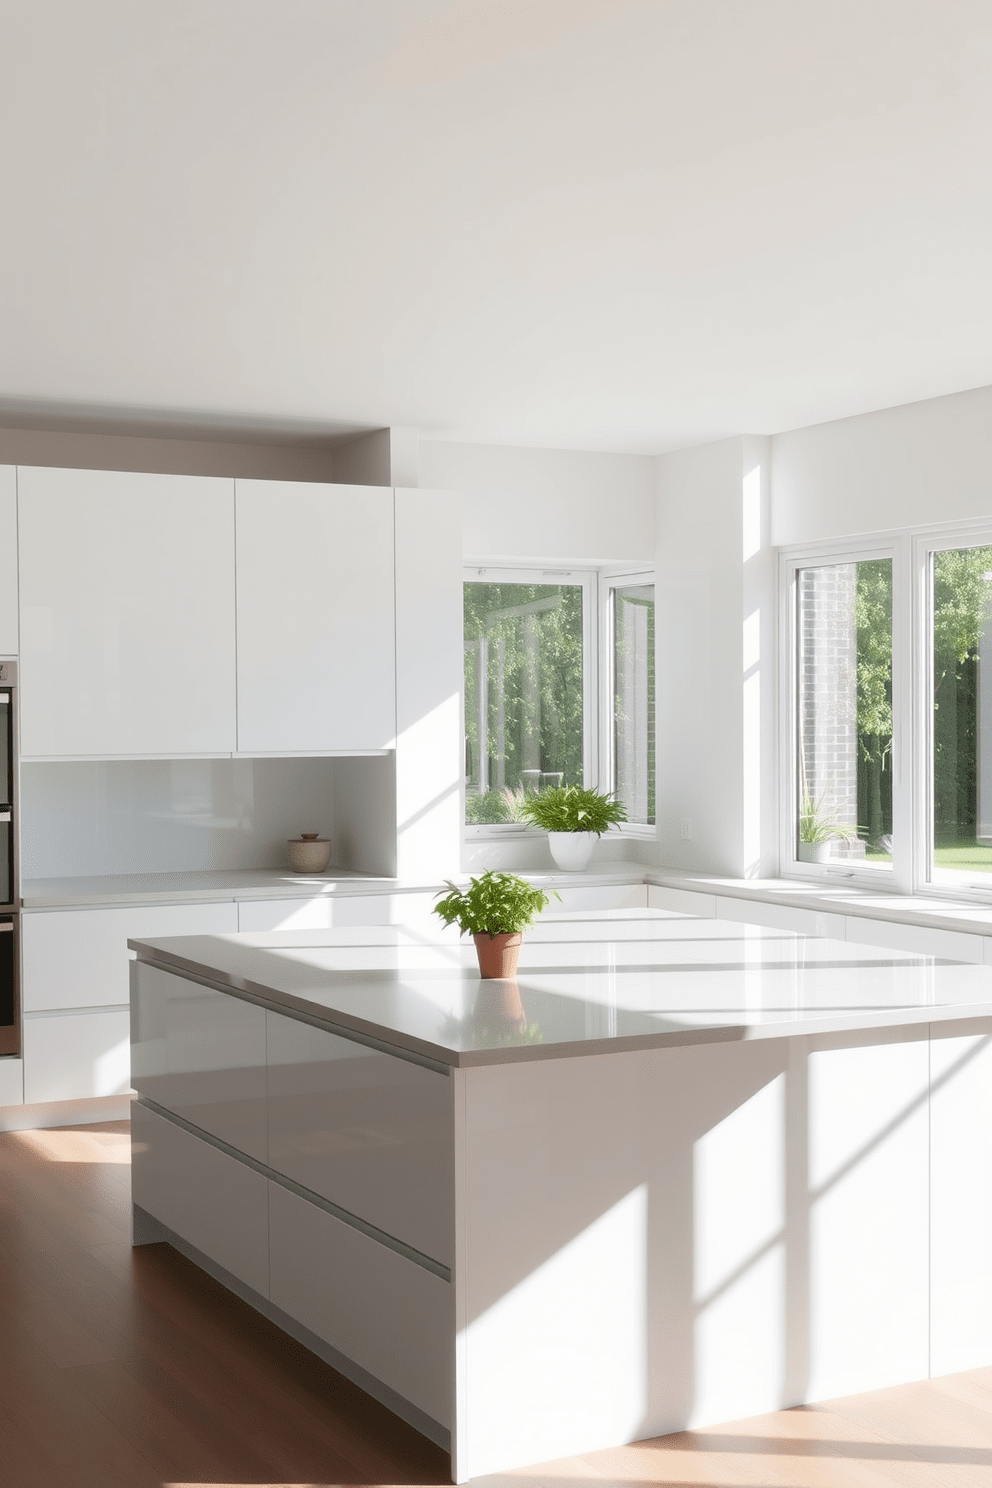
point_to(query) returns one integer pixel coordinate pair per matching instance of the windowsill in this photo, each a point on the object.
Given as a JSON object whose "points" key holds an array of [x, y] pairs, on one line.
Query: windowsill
{"points": [[959, 914], [500, 831]]}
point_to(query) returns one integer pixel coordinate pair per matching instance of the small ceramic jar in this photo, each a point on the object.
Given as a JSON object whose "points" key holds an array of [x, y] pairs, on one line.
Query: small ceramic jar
{"points": [[309, 853]]}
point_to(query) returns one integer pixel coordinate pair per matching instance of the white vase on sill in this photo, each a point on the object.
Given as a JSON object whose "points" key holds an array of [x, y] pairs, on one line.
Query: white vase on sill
{"points": [[572, 851], [816, 852]]}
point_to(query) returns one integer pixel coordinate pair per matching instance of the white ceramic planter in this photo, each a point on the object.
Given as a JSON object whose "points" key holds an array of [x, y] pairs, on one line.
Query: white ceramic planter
{"points": [[815, 852], [572, 850]]}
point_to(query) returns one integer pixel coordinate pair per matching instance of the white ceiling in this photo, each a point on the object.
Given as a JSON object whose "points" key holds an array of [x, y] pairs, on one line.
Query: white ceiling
{"points": [[590, 224]]}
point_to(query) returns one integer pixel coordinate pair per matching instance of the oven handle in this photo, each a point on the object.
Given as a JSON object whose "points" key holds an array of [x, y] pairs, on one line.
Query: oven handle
{"points": [[5, 816]]}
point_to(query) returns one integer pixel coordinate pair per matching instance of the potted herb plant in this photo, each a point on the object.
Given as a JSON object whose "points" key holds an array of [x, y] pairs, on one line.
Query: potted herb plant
{"points": [[495, 910], [574, 819], [819, 829]]}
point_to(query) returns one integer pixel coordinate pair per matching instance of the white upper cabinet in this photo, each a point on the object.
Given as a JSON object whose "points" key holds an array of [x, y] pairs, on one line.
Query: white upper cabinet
{"points": [[127, 614], [316, 668], [8, 560]]}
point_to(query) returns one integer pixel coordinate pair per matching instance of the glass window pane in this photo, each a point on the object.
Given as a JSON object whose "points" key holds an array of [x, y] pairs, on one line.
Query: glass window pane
{"points": [[844, 769], [523, 694], [962, 712], [633, 699]]}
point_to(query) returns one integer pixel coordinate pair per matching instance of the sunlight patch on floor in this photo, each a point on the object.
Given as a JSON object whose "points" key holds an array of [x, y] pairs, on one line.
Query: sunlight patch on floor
{"points": [[77, 1145]]}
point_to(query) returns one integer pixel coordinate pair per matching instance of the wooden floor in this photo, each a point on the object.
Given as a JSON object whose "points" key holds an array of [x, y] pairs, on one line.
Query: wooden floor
{"points": [[130, 1369]]}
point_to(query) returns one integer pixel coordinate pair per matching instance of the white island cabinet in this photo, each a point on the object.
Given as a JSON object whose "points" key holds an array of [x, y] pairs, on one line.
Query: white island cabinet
{"points": [[316, 646], [127, 614], [679, 1172]]}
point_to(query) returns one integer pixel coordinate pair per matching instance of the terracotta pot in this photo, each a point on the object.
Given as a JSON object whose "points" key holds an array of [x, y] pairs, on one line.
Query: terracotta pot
{"points": [[498, 954]]}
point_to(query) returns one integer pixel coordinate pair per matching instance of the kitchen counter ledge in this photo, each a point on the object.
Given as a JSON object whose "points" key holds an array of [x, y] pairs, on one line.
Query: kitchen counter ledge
{"points": [[588, 983]]}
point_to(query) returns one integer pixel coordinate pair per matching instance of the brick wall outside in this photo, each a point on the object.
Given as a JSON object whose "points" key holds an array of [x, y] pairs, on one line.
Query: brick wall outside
{"points": [[828, 685]]}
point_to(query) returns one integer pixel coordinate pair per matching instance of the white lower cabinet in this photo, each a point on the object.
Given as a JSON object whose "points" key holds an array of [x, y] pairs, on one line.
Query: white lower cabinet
{"points": [[11, 1082], [329, 911], [214, 1202], [75, 1056], [75, 992], [201, 1054], [372, 1133], [600, 896], [323, 913], [79, 958], [389, 1315]]}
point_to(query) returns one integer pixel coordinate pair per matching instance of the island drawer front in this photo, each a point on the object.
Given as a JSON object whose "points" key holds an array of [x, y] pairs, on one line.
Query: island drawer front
{"points": [[384, 1312], [201, 1054], [216, 1203], [371, 1133]]}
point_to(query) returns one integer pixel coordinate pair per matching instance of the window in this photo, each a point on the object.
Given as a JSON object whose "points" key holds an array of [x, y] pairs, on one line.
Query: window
{"points": [[959, 819], [841, 811], [534, 669], [632, 720]]}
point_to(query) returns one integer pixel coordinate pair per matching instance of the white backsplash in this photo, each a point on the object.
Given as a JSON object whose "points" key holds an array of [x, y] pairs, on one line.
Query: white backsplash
{"points": [[164, 816]]}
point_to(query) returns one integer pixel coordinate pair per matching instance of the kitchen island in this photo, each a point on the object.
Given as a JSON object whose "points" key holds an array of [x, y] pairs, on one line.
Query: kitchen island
{"points": [[680, 1171]]}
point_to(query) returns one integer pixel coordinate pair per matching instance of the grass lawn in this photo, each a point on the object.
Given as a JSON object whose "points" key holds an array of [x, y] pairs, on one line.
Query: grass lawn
{"points": [[966, 857]]}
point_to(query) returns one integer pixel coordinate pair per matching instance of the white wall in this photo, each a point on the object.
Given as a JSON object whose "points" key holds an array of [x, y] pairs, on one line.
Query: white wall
{"points": [[715, 578], [554, 504], [429, 662], [902, 467]]}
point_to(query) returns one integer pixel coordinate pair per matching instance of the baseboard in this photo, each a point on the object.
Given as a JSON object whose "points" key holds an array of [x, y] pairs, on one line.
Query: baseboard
{"points": [[65, 1113]]}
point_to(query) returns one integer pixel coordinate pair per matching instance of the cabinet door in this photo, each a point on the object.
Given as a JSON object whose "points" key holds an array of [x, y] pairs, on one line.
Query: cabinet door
{"points": [[322, 913], [384, 1312], [315, 618], [200, 1054], [8, 560], [127, 614], [214, 1202], [72, 1056], [372, 1133], [76, 958]]}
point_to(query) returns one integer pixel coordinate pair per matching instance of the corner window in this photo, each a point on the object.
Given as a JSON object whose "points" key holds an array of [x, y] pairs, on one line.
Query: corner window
{"points": [[559, 690]]}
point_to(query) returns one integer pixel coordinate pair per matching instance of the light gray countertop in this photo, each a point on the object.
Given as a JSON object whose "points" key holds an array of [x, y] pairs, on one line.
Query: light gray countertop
{"points": [[588, 983], [219, 885], [201, 885]]}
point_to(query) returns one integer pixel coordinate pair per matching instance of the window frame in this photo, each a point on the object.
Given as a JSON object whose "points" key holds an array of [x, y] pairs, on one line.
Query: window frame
{"points": [[925, 543], [597, 674], [611, 579], [901, 876], [587, 580]]}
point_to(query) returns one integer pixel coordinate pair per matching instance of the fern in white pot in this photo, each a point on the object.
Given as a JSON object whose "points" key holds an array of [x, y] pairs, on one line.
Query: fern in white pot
{"points": [[574, 819]]}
